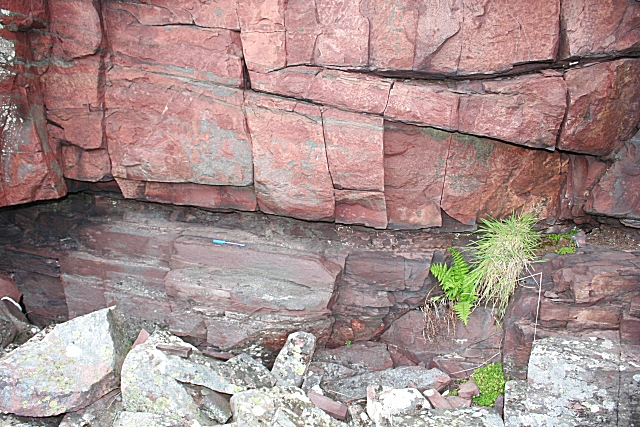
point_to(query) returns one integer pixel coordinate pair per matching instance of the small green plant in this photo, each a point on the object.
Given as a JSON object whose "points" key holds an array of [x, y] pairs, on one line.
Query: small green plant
{"points": [[457, 284], [490, 381], [504, 250], [347, 342], [555, 238], [566, 250]]}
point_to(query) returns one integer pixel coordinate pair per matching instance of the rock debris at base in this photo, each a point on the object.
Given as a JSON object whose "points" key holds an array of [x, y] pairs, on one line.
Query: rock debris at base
{"points": [[167, 382]]}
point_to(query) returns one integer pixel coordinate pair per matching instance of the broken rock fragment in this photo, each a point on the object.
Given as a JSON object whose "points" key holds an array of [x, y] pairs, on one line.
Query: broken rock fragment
{"points": [[385, 402], [66, 369], [294, 358]]}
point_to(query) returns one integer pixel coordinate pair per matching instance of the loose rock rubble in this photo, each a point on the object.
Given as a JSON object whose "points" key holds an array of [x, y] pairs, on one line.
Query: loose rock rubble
{"points": [[84, 373]]}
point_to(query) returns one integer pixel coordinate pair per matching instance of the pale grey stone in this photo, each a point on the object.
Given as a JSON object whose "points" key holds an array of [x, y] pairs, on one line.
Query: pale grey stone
{"points": [[355, 388], [383, 403], [145, 419], [278, 406], [67, 368], [479, 416], [293, 360]]}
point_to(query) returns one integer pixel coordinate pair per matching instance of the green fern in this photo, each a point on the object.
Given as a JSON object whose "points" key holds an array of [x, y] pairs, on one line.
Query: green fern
{"points": [[457, 284]]}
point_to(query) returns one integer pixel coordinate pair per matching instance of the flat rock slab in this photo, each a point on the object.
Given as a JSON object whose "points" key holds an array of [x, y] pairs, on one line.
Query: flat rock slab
{"points": [[147, 419], [355, 388], [467, 417], [293, 360], [573, 382], [74, 364]]}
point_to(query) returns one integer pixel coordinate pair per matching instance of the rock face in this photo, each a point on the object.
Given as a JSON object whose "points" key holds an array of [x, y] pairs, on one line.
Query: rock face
{"points": [[180, 104], [74, 364], [572, 382]]}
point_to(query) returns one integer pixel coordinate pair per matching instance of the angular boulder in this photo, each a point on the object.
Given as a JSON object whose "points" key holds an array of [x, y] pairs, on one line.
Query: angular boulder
{"points": [[293, 360], [468, 417], [383, 403], [74, 364]]}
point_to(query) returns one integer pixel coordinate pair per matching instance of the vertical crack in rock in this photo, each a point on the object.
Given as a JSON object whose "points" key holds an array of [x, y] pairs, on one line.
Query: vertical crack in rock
{"points": [[446, 164], [324, 139], [566, 112]]}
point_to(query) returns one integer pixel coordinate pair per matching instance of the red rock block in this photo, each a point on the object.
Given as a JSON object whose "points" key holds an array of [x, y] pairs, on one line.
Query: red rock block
{"points": [[294, 82], [604, 106], [423, 103], [436, 399], [271, 262], [468, 390], [24, 15], [414, 165], [72, 84], [581, 318], [599, 28], [471, 38], [263, 34], [85, 165], [75, 25], [630, 330], [354, 144], [350, 91], [290, 164], [218, 14], [80, 127], [393, 33], [388, 272], [44, 300], [361, 207], [336, 409], [188, 194], [8, 287], [31, 170], [211, 55], [583, 173], [617, 192], [160, 129], [488, 177], [526, 110], [458, 402], [327, 34], [634, 307]]}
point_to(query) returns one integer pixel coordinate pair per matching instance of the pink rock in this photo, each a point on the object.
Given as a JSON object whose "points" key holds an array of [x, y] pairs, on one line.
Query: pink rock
{"points": [[291, 172], [604, 107], [326, 34], [393, 33], [596, 29], [437, 400], [484, 176], [85, 165], [583, 173], [364, 356], [80, 127], [354, 144], [355, 92], [468, 390], [458, 402], [294, 82], [160, 129], [634, 307], [423, 103], [581, 318], [616, 193], [361, 207], [263, 34], [412, 190], [463, 38], [219, 14], [24, 14], [143, 336], [206, 196], [336, 409], [630, 330], [75, 25], [72, 84], [8, 287], [526, 110], [212, 55]]}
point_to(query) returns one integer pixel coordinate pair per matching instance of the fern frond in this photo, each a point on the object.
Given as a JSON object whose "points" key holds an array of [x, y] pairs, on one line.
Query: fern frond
{"points": [[463, 310]]}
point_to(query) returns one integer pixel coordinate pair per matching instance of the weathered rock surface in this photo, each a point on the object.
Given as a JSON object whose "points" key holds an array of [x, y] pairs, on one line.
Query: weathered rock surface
{"points": [[100, 413], [598, 29], [161, 129], [616, 194], [604, 107], [74, 364], [471, 417], [293, 360], [353, 388], [383, 403], [286, 406], [290, 161], [570, 382]]}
